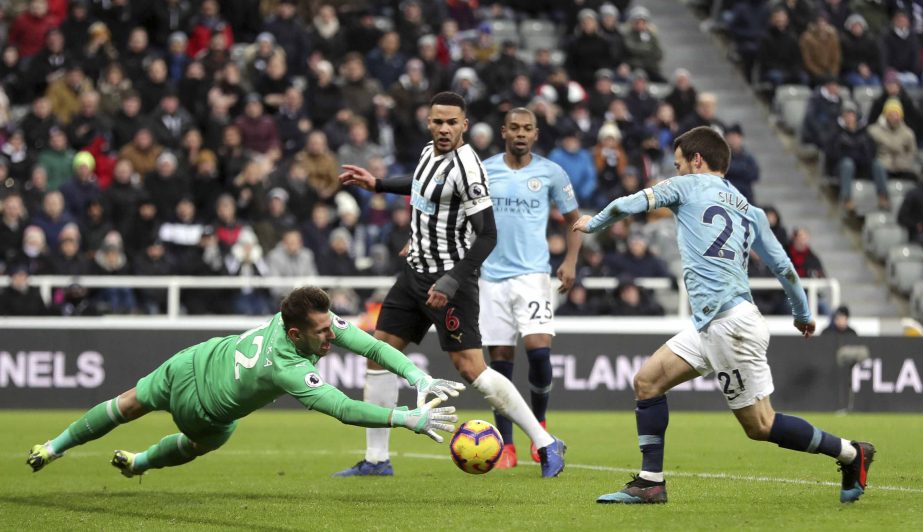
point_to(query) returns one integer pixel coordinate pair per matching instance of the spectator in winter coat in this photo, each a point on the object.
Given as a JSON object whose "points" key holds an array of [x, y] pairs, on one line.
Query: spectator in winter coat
{"points": [[588, 51], [639, 261], [290, 259], [336, 259], [744, 171], [900, 49], [258, 129], [632, 300], [806, 263], [20, 299], [57, 159], [897, 145], [779, 54], [893, 89], [910, 215], [642, 44], [861, 64], [851, 150], [82, 187], [577, 163], [207, 23], [386, 62], [289, 34], [839, 324], [683, 96], [705, 114], [820, 49], [28, 30], [142, 152], [821, 115], [747, 25]]}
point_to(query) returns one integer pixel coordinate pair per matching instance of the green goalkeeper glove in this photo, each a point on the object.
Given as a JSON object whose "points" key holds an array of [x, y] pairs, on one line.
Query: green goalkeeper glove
{"points": [[426, 419], [441, 388]]}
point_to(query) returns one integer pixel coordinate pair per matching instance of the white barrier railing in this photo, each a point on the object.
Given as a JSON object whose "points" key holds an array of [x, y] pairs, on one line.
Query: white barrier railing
{"points": [[174, 284]]}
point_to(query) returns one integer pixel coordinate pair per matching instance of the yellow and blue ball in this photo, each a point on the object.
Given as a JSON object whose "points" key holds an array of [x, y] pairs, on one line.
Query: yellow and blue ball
{"points": [[476, 446]]}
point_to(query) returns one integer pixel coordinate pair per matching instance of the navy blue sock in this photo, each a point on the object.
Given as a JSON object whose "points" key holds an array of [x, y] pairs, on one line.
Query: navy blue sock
{"points": [[504, 425], [791, 432], [540, 379], [652, 416]]}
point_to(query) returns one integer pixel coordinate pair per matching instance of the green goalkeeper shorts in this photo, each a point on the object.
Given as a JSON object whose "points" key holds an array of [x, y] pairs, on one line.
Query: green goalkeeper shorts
{"points": [[172, 388]]}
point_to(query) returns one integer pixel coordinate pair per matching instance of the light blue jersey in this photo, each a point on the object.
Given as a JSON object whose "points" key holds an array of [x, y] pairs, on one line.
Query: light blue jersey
{"points": [[716, 229], [522, 203]]}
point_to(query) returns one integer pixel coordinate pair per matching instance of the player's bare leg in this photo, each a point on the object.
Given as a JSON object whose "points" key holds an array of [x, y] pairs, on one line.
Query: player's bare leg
{"points": [[762, 423], [506, 399], [381, 388], [95, 423], [660, 373]]}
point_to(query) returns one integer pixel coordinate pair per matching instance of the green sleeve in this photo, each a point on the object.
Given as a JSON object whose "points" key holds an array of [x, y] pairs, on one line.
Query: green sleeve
{"points": [[350, 337], [351, 412]]}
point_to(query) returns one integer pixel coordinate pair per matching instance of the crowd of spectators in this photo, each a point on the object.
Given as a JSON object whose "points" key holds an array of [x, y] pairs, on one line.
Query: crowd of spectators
{"points": [[205, 138]]}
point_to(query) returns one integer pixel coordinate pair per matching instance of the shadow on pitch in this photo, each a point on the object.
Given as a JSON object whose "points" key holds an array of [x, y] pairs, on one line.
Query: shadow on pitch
{"points": [[155, 505]]}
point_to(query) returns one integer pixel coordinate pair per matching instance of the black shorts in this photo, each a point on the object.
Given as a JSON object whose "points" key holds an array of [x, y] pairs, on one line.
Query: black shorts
{"points": [[404, 312]]}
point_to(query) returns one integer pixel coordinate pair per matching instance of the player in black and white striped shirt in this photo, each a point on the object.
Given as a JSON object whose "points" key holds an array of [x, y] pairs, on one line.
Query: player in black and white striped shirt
{"points": [[452, 232]]}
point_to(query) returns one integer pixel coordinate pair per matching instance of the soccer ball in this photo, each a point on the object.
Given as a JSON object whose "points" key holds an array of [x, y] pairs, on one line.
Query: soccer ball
{"points": [[476, 446]]}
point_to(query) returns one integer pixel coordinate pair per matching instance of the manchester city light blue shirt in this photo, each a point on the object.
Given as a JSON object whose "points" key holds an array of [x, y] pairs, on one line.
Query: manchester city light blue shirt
{"points": [[716, 230], [522, 202]]}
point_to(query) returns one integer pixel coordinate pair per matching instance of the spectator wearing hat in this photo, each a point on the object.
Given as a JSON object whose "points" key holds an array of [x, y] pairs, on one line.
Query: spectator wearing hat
{"points": [[839, 324], [894, 89], [144, 225], [743, 171], [610, 160], [165, 185], [589, 50], [861, 56], [277, 220], [34, 253], [900, 49], [19, 158], [176, 58], [820, 49], [820, 117], [20, 299], [82, 187], [209, 261], [111, 259], [467, 84], [576, 303], [897, 144], [27, 32], [76, 27], [683, 95], [481, 139], [779, 55], [609, 27], [182, 233], [323, 96], [258, 54], [577, 163], [601, 94], [99, 51], [642, 44], [336, 259], [94, 224], [68, 258], [142, 152], [874, 13], [851, 152], [289, 258], [641, 103]]}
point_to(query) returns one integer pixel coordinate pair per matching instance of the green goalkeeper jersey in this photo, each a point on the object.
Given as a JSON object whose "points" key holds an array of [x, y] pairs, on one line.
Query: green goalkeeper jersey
{"points": [[238, 374]]}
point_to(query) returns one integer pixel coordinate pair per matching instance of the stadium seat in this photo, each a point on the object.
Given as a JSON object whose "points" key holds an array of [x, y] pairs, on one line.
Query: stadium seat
{"points": [[538, 34], [864, 97], [791, 102], [865, 197], [504, 30], [884, 237], [872, 222], [904, 267]]}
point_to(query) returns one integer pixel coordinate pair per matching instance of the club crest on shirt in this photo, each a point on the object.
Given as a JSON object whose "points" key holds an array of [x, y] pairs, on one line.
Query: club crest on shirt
{"points": [[439, 178], [534, 184], [313, 380], [568, 191]]}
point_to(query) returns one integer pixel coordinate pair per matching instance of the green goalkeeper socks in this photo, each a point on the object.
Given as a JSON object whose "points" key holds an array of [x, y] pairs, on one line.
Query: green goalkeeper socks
{"points": [[95, 423], [172, 450]]}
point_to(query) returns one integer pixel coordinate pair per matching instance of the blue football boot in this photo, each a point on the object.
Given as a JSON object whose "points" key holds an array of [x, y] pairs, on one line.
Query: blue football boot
{"points": [[364, 468]]}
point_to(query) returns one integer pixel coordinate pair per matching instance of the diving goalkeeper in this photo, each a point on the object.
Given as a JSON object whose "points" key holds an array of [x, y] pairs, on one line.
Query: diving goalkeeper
{"points": [[209, 386]]}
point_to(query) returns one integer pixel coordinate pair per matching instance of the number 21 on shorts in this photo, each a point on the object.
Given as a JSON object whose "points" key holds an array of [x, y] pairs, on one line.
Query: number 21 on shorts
{"points": [[732, 384]]}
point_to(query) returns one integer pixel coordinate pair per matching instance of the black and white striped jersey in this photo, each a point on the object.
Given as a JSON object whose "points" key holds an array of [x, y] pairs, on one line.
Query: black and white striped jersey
{"points": [[446, 190]]}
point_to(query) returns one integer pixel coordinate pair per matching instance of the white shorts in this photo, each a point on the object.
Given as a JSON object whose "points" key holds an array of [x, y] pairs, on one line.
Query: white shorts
{"points": [[733, 346], [518, 305]]}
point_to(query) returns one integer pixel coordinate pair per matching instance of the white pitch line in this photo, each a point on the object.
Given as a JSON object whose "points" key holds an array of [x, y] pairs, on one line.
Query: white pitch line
{"points": [[589, 467]]}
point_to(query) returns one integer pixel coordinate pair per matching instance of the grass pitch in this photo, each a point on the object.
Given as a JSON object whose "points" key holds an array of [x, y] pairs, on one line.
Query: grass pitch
{"points": [[274, 474]]}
